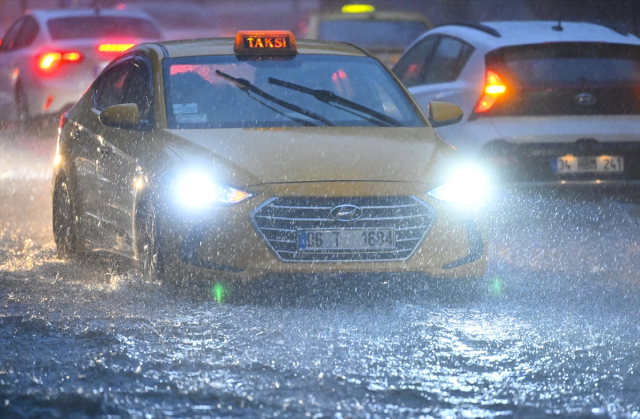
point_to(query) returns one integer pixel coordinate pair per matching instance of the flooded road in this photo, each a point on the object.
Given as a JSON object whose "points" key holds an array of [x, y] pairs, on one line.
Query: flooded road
{"points": [[552, 331]]}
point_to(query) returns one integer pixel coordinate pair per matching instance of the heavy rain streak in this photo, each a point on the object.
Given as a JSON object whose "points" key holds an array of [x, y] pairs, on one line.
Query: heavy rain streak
{"points": [[250, 253]]}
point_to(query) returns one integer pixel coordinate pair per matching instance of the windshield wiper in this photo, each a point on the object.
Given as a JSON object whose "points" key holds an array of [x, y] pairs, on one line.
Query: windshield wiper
{"points": [[329, 97], [246, 86]]}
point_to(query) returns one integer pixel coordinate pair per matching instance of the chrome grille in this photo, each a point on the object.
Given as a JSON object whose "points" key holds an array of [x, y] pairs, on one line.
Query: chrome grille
{"points": [[279, 219]]}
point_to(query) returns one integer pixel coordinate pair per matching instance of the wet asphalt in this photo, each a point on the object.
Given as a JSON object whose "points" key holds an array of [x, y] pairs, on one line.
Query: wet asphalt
{"points": [[551, 331]]}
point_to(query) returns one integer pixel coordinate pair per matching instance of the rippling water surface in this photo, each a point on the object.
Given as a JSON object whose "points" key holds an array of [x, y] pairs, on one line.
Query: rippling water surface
{"points": [[552, 331]]}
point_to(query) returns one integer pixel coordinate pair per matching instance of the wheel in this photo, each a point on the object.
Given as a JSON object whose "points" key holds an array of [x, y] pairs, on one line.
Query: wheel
{"points": [[154, 262], [64, 222], [22, 108], [148, 243]]}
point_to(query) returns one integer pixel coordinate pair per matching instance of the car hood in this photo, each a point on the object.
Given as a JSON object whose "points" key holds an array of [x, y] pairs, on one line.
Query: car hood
{"points": [[285, 155]]}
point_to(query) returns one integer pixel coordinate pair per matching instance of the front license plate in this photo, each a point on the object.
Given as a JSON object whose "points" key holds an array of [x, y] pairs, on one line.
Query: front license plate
{"points": [[589, 164], [347, 239]]}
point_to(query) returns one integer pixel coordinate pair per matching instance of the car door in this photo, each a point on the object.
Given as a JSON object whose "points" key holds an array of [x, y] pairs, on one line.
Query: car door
{"points": [[7, 75], [118, 169], [432, 68], [22, 57], [107, 90]]}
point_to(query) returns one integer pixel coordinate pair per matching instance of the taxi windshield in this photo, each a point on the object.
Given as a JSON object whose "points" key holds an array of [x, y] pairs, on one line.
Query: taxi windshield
{"points": [[227, 91]]}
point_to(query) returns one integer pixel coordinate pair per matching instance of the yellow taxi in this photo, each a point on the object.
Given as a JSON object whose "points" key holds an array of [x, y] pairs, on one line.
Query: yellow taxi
{"points": [[238, 158], [385, 34]]}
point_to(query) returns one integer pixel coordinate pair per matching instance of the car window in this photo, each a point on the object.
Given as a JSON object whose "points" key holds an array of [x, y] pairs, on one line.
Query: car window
{"points": [[110, 86], [28, 33], [411, 67], [447, 61], [101, 27], [138, 87], [8, 42], [201, 96]]}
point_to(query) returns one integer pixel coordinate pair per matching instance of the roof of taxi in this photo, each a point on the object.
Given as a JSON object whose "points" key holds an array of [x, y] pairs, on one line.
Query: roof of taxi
{"points": [[383, 15], [224, 46], [533, 32]]}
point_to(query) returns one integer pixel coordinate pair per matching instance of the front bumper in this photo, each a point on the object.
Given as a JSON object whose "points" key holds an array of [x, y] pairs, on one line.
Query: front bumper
{"points": [[225, 243]]}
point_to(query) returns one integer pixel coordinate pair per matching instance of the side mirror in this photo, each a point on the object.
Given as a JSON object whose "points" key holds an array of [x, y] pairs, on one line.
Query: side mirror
{"points": [[125, 116], [442, 114]]}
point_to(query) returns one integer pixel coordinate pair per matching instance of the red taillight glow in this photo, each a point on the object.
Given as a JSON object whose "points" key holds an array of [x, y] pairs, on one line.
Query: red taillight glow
{"points": [[71, 56], [494, 87], [63, 119], [48, 102], [50, 61], [114, 47]]}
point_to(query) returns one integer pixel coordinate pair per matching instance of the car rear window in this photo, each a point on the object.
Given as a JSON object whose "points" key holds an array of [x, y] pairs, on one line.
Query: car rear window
{"points": [[199, 97], [101, 27], [568, 79], [372, 33]]}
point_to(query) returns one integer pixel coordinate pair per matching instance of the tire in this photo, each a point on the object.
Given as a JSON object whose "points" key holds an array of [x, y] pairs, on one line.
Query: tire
{"points": [[148, 243], [65, 231]]}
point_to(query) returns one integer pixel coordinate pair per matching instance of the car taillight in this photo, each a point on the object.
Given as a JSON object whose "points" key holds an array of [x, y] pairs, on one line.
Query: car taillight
{"points": [[493, 88], [114, 47], [71, 56], [50, 61]]}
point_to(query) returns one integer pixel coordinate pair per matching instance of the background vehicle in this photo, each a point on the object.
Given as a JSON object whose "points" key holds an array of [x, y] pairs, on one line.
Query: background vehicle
{"points": [[384, 34], [49, 58], [156, 162], [543, 102]]}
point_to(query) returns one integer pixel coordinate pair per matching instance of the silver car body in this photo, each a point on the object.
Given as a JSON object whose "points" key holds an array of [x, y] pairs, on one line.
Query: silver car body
{"points": [[56, 92]]}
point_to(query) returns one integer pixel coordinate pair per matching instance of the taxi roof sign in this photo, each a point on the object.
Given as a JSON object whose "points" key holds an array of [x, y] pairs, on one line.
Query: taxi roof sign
{"points": [[358, 8], [265, 42]]}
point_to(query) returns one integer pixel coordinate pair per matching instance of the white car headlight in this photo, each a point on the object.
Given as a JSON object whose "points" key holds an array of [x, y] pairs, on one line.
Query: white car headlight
{"points": [[468, 186], [196, 190]]}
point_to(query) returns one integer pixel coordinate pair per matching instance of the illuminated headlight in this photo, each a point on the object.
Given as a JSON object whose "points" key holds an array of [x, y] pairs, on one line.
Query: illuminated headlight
{"points": [[468, 186], [198, 190]]}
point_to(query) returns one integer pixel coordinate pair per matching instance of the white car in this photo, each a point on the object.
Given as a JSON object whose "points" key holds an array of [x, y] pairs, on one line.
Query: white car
{"points": [[544, 102], [48, 58]]}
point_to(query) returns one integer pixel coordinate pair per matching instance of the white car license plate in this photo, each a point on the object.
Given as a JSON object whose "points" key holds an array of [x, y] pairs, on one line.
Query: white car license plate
{"points": [[589, 164], [347, 239]]}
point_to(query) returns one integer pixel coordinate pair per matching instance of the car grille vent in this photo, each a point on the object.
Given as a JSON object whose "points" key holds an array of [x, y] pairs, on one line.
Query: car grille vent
{"points": [[279, 219]]}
